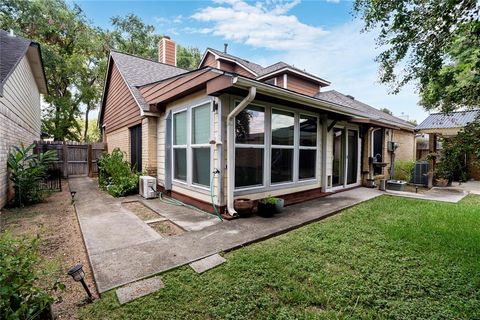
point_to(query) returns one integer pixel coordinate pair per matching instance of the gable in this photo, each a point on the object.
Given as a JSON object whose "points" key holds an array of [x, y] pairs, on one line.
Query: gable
{"points": [[120, 108], [303, 86]]}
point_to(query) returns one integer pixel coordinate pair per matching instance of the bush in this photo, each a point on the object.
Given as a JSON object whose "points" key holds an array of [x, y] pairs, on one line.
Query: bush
{"points": [[27, 170], [404, 170], [115, 175], [21, 296]]}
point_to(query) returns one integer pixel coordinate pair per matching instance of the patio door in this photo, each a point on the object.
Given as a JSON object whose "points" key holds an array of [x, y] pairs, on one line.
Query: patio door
{"points": [[345, 157]]}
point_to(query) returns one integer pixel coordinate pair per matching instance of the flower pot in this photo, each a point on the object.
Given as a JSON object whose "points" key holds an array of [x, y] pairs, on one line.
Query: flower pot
{"points": [[245, 207], [279, 205], [266, 209]]}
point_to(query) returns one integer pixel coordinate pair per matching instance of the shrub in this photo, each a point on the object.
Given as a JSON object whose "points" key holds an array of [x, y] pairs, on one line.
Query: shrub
{"points": [[115, 175], [25, 289], [404, 170], [27, 170]]}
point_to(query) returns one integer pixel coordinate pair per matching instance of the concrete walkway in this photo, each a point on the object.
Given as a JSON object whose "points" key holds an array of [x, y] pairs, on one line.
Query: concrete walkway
{"points": [[442, 194], [123, 249]]}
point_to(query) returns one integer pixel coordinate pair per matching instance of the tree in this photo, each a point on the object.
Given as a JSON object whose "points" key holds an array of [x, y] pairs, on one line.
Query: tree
{"points": [[132, 35], [71, 55], [433, 43], [386, 110]]}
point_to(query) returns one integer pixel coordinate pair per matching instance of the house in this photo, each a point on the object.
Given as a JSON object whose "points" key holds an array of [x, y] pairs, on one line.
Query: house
{"points": [[235, 129], [22, 81], [446, 125]]}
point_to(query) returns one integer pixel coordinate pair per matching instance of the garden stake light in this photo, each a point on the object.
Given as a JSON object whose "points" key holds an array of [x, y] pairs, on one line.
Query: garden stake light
{"points": [[78, 275]]}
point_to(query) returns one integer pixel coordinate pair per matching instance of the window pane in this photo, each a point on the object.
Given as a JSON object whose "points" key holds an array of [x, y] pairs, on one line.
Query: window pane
{"points": [[283, 124], [180, 163], [250, 125], [307, 164], [201, 124], [180, 128], [282, 165], [308, 131], [248, 167], [201, 166]]}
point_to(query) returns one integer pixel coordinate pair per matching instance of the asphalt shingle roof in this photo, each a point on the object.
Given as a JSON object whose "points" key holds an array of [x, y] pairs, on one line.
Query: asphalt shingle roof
{"points": [[249, 65], [139, 71], [12, 50], [458, 119], [375, 114]]}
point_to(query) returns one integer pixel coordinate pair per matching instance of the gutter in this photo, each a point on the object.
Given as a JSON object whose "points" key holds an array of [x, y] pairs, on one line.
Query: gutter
{"points": [[252, 92]]}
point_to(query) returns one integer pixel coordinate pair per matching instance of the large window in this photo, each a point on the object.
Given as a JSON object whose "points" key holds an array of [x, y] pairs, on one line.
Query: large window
{"points": [[283, 134], [250, 146], [191, 147], [274, 146]]}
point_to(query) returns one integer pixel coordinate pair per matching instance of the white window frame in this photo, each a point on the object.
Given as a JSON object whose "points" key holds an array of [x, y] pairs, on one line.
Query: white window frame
{"points": [[344, 184], [267, 184], [190, 146]]}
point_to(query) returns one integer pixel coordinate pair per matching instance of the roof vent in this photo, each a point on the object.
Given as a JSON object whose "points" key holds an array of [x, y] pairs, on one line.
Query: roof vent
{"points": [[351, 97], [225, 47]]}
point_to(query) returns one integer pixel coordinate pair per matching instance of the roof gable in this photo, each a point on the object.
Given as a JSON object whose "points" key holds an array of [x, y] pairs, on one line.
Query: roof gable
{"points": [[12, 50]]}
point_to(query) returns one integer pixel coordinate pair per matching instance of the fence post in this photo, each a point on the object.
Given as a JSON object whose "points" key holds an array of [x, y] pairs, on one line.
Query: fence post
{"points": [[65, 160], [90, 160]]}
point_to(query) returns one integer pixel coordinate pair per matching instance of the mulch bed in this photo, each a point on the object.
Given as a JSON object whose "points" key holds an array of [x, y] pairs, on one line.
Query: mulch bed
{"points": [[56, 222]]}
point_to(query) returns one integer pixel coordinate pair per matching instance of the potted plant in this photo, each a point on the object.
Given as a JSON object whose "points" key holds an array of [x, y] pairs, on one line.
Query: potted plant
{"points": [[245, 207], [270, 205]]}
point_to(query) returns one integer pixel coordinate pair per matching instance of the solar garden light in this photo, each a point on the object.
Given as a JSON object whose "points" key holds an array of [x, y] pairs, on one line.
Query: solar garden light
{"points": [[78, 275], [72, 194]]}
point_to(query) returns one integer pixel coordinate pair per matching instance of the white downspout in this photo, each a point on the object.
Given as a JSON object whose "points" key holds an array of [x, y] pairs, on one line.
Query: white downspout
{"points": [[231, 150]]}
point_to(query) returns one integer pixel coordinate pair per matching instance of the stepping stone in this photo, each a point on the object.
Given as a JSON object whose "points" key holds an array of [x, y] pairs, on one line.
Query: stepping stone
{"points": [[139, 289], [207, 263]]}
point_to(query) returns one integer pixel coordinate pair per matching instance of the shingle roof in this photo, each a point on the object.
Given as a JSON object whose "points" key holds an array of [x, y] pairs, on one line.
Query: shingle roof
{"points": [[12, 50], [458, 119], [247, 64], [375, 114], [139, 71]]}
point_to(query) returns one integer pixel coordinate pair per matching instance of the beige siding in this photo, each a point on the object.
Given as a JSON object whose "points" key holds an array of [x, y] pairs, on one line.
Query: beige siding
{"points": [[19, 117], [119, 139]]}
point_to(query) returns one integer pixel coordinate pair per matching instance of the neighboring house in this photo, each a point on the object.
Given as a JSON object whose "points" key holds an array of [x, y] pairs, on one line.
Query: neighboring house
{"points": [[22, 80], [252, 131], [445, 126]]}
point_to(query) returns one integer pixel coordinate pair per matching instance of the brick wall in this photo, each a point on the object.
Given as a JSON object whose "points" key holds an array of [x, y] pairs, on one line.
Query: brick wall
{"points": [[119, 139], [149, 145]]}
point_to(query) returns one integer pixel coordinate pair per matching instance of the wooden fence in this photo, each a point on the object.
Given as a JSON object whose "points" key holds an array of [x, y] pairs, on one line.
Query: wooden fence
{"points": [[74, 158]]}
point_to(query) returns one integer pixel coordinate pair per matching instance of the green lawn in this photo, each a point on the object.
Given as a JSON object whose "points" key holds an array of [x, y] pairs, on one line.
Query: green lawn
{"points": [[387, 258]]}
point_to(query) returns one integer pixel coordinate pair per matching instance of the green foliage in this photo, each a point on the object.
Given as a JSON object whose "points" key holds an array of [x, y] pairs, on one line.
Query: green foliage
{"points": [[92, 130], [26, 290], [27, 169], [386, 110], [115, 175], [188, 57], [404, 170], [387, 258], [435, 44], [270, 200], [452, 164]]}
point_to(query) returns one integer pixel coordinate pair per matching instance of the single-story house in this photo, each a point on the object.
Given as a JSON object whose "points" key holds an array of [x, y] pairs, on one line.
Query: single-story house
{"points": [[22, 81], [446, 125], [240, 130]]}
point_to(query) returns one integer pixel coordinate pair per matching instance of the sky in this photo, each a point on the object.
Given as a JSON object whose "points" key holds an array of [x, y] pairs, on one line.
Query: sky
{"points": [[322, 37]]}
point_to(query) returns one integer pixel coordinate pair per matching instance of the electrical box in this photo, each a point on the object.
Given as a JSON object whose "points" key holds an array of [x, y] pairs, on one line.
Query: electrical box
{"points": [[392, 146], [148, 187]]}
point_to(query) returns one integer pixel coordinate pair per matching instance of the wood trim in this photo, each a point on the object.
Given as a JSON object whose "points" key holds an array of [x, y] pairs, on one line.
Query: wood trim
{"points": [[218, 84]]}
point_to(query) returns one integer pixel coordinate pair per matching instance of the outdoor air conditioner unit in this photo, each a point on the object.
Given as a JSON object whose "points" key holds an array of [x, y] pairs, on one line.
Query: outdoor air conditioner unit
{"points": [[148, 187]]}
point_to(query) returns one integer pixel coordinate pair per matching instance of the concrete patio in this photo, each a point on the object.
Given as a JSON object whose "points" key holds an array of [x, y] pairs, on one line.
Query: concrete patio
{"points": [[122, 248]]}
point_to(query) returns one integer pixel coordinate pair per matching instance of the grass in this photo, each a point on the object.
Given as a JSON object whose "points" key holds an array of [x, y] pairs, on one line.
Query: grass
{"points": [[389, 258]]}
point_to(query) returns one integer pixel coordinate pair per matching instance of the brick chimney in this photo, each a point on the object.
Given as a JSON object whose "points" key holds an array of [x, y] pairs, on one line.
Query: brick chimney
{"points": [[167, 51]]}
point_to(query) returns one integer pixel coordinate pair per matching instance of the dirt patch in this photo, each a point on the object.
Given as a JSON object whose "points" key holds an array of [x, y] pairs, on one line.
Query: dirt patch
{"points": [[166, 228], [141, 211], [56, 223]]}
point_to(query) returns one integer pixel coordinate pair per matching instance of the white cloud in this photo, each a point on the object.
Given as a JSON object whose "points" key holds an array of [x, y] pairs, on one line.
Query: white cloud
{"points": [[343, 54], [333, 1], [263, 25]]}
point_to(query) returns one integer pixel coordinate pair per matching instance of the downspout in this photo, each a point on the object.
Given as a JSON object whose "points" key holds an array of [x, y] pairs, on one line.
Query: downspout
{"points": [[230, 147]]}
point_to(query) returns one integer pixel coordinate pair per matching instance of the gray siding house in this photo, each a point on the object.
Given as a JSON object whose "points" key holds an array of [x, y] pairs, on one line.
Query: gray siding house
{"points": [[22, 81]]}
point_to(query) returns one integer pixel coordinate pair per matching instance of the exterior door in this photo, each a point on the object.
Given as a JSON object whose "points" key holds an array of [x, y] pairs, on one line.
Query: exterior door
{"points": [[136, 147], [352, 156], [338, 157]]}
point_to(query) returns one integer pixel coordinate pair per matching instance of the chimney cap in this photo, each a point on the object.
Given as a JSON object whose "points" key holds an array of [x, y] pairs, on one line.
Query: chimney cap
{"points": [[166, 37]]}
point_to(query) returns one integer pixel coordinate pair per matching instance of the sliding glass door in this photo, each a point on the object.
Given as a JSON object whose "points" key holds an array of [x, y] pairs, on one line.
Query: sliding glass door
{"points": [[345, 157]]}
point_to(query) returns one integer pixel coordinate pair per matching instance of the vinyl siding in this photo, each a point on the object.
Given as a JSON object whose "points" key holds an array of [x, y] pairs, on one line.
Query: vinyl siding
{"points": [[19, 118], [121, 109]]}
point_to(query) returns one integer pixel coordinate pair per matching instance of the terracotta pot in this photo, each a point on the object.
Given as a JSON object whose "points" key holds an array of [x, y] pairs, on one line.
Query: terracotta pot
{"points": [[245, 207]]}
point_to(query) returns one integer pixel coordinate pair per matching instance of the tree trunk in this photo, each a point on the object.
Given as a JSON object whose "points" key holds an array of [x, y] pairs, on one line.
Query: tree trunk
{"points": [[85, 132]]}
